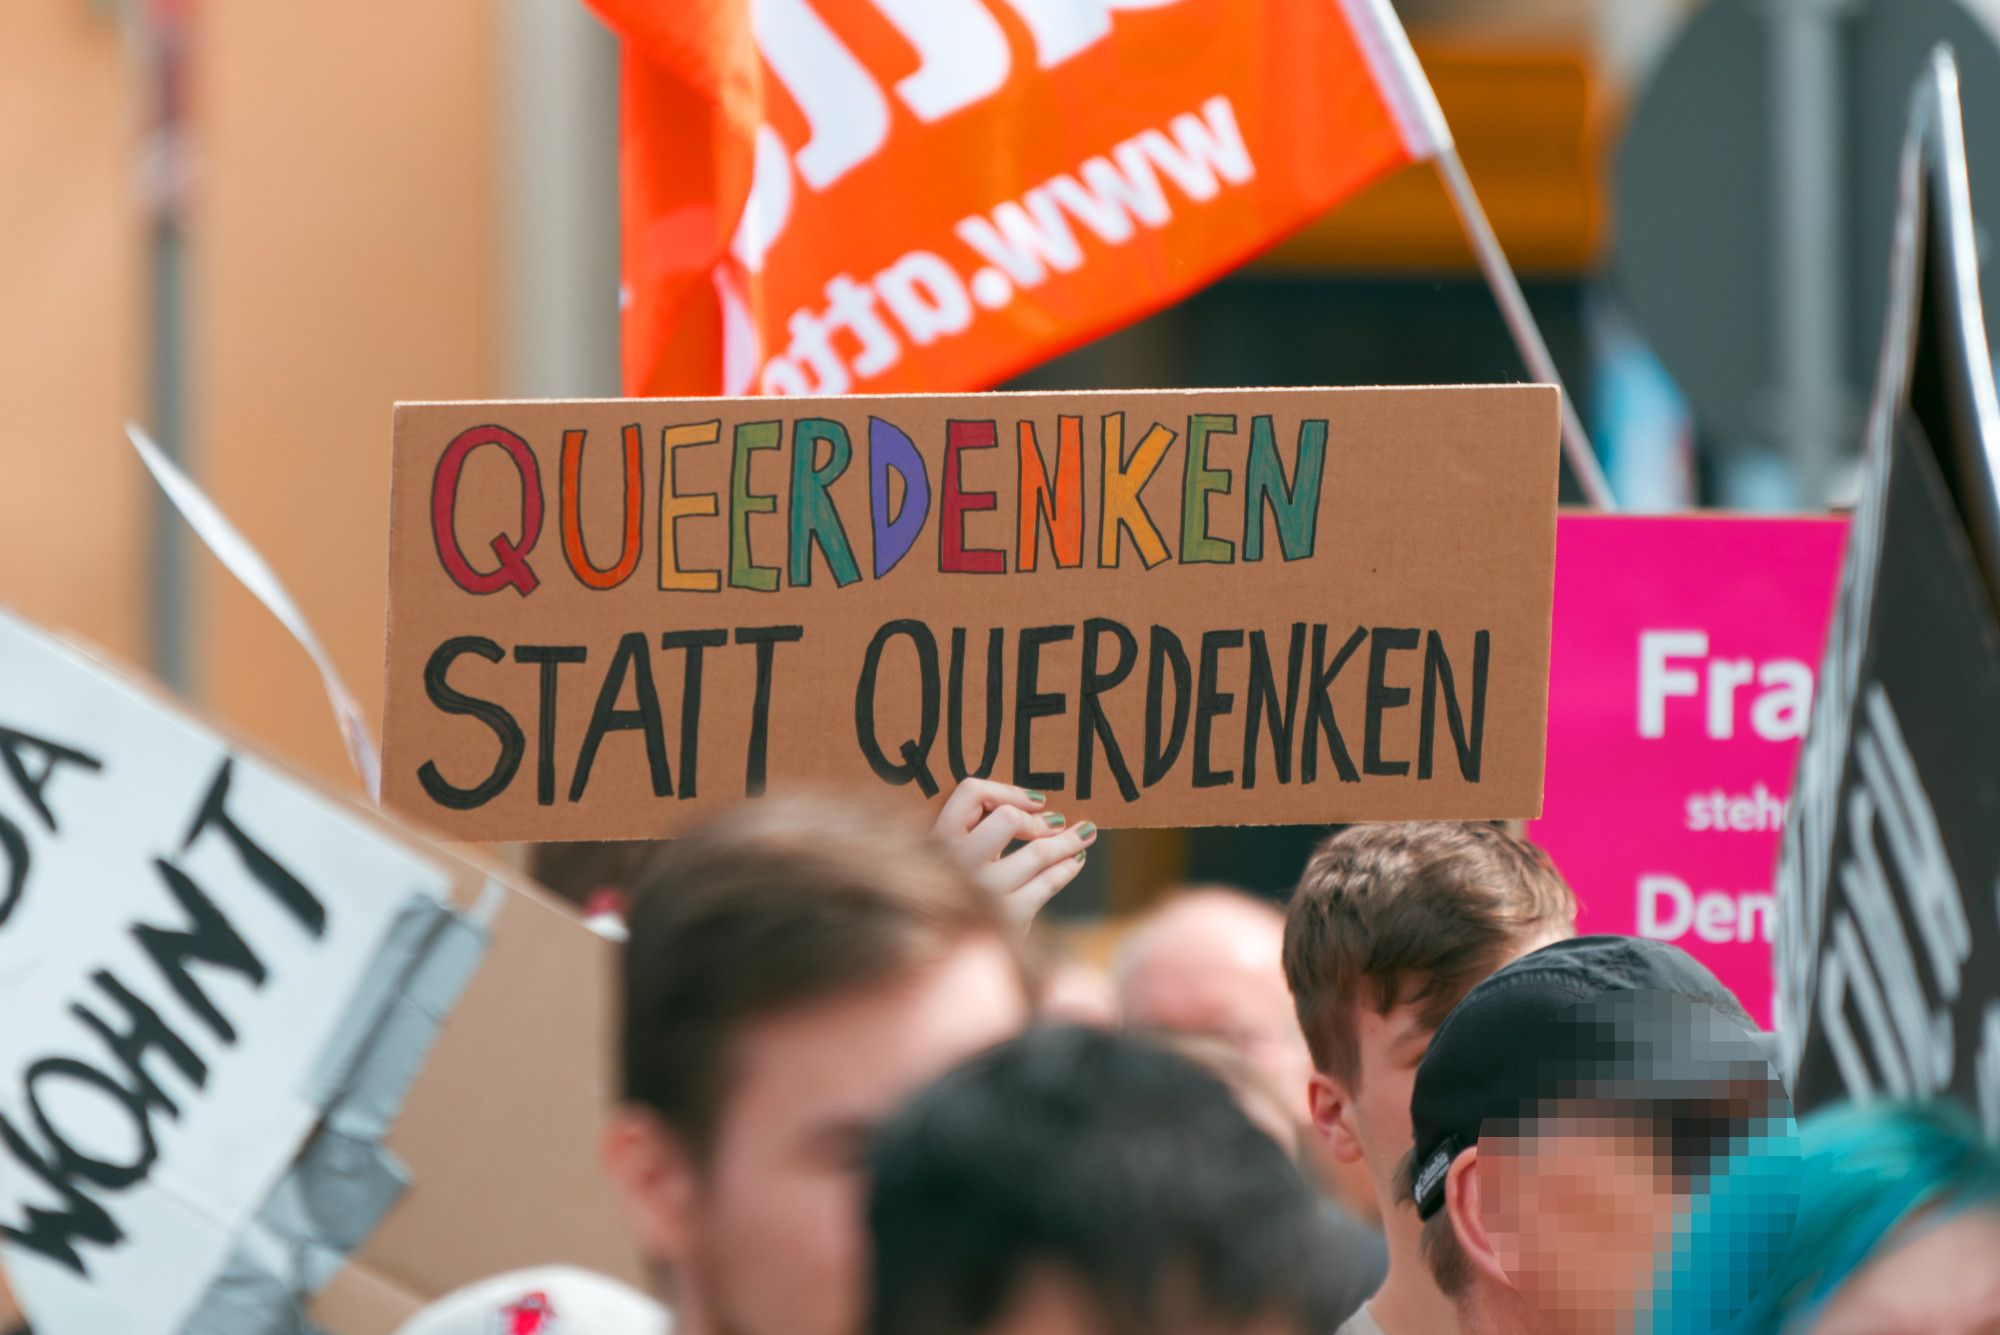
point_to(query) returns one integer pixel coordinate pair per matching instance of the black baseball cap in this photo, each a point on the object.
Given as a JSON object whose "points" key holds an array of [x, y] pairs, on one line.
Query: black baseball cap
{"points": [[1611, 1018]]}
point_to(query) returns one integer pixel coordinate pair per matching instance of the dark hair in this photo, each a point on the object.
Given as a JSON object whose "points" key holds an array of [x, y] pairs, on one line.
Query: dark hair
{"points": [[777, 904], [1411, 912], [1106, 1161]]}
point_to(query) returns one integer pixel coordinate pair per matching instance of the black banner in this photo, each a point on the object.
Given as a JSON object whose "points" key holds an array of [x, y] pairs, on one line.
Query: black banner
{"points": [[1889, 880]]}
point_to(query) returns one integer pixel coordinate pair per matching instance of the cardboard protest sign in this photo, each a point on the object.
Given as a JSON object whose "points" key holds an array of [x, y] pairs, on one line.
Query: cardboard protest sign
{"points": [[262, 1051], [11, 1316], [1889, 940], [1173, 608], [1680, 681]]}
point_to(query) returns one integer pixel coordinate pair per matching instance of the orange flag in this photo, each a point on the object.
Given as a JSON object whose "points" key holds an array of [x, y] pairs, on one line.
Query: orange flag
{"points": [[825, 196]]}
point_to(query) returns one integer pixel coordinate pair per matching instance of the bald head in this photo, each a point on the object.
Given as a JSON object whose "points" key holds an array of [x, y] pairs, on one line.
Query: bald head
{"points": [[1209, 962], [1207, 933]]}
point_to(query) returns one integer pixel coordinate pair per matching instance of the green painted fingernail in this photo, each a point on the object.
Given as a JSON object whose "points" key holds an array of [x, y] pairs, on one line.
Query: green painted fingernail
{"points": [[1086, 831], [1035, 797], [1056, 820], [1081, 855]]}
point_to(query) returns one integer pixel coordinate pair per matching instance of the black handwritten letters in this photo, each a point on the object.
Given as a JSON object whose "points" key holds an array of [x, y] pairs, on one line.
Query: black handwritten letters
{"points": [[143, 1038], [1187, 714], [612, 619], [1242, 707]]}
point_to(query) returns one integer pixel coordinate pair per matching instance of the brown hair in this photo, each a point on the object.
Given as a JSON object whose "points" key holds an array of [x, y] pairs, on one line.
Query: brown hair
{"points": [[777, 904], [1410, 913]]}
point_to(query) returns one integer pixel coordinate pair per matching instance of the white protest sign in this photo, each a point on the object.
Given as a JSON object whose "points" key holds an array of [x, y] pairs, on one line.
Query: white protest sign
{"points": [[184, 932]]}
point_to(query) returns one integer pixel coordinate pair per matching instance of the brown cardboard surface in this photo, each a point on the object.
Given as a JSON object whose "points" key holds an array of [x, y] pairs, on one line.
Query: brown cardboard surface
{"points": [[359, 1300], [501, 1129], [75, 535], [394, 198], [10, 1311], [1434, 529]]}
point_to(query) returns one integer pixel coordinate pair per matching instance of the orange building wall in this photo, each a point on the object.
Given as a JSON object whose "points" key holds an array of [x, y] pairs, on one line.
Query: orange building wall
{"points": [[72, 501], [344, 255]]}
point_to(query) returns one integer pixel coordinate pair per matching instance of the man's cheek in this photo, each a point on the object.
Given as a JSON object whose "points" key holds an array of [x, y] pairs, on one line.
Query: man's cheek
{"points": [[1394, 1114], [825, 1212]]}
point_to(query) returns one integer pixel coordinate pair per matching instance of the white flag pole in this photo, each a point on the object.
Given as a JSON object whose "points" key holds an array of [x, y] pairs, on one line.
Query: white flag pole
{"points": [[1521, 323], [1413, 103]]}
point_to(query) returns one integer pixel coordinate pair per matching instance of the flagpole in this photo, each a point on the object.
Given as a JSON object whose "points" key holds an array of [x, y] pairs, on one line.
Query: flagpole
{"points": [[1521, 322], [1413, 104]]}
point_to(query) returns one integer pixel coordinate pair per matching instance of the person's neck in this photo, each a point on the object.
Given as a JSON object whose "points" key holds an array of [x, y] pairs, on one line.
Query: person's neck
{"points": [[682, 1301], [1409, 1301], [1489, 1309]]}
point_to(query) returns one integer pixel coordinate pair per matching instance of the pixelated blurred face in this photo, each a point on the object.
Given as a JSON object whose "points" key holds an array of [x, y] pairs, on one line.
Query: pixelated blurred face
{"points": [[778, 1235], [1579, 1211], [1941, 1278]]}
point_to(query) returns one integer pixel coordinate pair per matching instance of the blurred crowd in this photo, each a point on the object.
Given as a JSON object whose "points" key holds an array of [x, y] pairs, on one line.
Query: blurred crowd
{"points": [[861, 1092]]}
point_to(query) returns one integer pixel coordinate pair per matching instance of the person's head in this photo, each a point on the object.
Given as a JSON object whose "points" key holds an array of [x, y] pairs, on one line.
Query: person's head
{"points": [[1078, 1182], [553, 1298], [1588, 1123], [1261, 1101], [1208, 963], [1389, 927], [581, 871], [795, 969], [1899, 1227], [1072, 989]]}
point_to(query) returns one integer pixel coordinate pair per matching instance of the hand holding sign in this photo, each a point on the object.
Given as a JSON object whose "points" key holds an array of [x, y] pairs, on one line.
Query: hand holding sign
{"points": [[982, 819]]}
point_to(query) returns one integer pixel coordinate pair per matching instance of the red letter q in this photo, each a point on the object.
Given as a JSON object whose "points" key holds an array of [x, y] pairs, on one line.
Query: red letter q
{"points": [[513, 569]]}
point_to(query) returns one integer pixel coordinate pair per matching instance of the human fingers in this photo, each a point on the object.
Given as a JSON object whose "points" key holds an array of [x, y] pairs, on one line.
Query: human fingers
{"points": [[972, 799], [1027, 877], [1003, 826]]}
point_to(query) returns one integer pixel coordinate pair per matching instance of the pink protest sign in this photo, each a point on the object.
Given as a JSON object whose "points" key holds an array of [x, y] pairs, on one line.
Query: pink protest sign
{"points": [[1680, 679]]}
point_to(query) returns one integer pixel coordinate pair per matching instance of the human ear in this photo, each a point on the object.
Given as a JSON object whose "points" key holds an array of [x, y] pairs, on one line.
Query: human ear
{"points": [[1332, 1107], [654, 1178], [1487, 1240]]}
